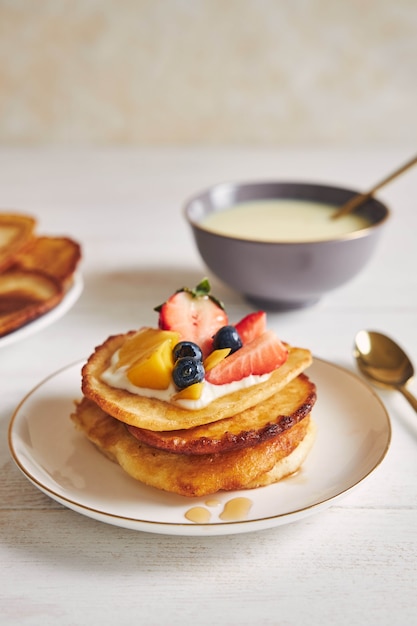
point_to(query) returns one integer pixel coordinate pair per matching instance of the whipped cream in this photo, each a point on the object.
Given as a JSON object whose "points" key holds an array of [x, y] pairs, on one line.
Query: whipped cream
{"points": [[117, 377]]}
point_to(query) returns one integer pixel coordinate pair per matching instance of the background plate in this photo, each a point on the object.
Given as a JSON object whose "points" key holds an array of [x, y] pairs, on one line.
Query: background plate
{"points": [[353, 437]]}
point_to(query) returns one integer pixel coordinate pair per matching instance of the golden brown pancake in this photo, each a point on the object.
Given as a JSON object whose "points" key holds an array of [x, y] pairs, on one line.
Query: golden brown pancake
{"points": [[190, 475], [56, 256], [24, 296], [157, 415], [16, 232], [250, 427], [290, 464]]}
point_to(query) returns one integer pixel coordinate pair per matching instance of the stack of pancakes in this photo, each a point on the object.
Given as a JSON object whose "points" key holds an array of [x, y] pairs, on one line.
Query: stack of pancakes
{"points": [[249, 438], [35, 271]]}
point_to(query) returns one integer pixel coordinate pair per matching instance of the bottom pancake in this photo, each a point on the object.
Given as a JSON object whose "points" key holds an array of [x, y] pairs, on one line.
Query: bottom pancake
{"points": [[195, 475], [289, 464]]}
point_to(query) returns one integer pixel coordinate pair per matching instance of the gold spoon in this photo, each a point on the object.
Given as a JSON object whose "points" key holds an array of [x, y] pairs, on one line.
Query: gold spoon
{"points": [[360, 198], [383, 361]]}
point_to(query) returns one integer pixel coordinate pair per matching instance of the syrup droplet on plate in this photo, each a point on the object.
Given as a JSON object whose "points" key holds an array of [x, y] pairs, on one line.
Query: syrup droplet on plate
{"points": [[213, 502], [236, 509], [198, 515]]}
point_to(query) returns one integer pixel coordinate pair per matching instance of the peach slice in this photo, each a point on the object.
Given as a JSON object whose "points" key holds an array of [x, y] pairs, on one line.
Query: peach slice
{"points": [[148, 355]]}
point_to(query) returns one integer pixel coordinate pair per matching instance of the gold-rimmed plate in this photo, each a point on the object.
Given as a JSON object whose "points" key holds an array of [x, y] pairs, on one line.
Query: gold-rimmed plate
{"points": [[353, 437]]}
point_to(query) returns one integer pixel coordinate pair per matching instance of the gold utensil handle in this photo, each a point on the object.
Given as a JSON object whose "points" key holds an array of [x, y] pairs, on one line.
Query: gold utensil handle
{"points": [[360, 198], [409, 396]]}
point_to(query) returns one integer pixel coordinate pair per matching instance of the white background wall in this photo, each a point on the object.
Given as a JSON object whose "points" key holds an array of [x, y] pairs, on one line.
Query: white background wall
{"points": [[252, 72]]}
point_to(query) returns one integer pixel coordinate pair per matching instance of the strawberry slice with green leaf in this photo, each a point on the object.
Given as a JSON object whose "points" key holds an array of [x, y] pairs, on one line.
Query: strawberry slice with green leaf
{"points": [[260, 356], [251, 326], [195, 314]]}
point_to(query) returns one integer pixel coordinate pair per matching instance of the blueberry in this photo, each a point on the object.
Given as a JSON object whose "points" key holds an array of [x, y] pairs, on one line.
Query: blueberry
{"points": [[227, 337], [187, 348], [187, 371]]}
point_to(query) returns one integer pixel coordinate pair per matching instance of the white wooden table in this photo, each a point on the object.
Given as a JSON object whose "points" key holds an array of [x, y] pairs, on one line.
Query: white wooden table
{"points": [[356, 562]]}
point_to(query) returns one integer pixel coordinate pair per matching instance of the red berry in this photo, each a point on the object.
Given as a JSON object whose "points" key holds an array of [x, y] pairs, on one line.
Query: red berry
{"points": [[251, 326], [196, 316], [261, 356]]}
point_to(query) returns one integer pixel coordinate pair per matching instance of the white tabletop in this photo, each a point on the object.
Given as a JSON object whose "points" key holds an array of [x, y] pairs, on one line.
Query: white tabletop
{"points": [[353, 563]]}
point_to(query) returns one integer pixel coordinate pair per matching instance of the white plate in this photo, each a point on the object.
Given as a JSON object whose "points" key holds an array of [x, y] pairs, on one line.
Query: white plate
{"points": [[353, 437], [49, 318]]}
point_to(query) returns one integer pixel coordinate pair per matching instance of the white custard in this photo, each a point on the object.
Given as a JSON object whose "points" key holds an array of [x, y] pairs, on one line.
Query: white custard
{"points": [[283, 220], [116, 377]]}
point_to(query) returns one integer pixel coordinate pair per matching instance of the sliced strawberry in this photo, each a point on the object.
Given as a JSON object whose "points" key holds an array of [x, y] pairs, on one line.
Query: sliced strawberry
{"points": [[251, 326], [195, 314], [261, 356]]}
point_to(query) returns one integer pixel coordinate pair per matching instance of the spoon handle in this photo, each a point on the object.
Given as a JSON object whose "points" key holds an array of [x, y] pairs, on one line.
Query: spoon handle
{"points": [[358, 199], [409, 396]]}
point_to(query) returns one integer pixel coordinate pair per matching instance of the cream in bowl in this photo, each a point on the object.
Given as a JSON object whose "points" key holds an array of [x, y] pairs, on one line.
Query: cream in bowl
{"points": [[282, 220], [277, 244]]}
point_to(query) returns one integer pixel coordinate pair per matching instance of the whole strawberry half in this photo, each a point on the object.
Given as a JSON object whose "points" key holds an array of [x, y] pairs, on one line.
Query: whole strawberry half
{"points": [[195, 314], [260, 356]]}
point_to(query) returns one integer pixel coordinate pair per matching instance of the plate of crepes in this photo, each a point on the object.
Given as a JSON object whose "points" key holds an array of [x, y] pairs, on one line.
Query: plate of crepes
{"points": [[199, 426], [39, 281]]}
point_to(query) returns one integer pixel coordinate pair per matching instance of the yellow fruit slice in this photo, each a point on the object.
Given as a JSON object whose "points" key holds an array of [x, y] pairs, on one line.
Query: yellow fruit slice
{"points": [[149, 354], [155, 371], [193, 392], [215, 357], [143, 343]]}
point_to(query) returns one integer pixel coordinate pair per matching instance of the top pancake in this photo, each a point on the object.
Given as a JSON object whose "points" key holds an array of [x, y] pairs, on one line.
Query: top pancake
{"points": [[157, 415]]}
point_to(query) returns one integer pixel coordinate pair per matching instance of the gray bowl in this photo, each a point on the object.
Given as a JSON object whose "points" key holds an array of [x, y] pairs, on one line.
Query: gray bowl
{"points": [[283, 275]]}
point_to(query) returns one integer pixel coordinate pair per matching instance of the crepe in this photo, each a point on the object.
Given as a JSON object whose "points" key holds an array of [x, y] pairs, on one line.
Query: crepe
{"points": [[16, 232], [35, 271], [24, 296], [56, 256], [157, 415]]}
